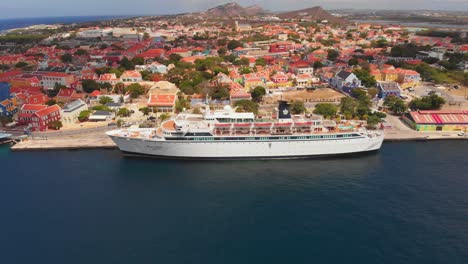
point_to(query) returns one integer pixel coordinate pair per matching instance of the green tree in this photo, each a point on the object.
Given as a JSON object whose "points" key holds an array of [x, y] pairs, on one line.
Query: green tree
{"points": [[146, 36], [395, 104], [431, 102], [123, 112], [80, 52], [174, 57], [372, 92], [119, 88], [222, 42], [66, 58], [127, 64], [242, 61], [261, 62], [326, 109], [361, 96], [21, 64], [353, 62], [318, 65], [135, 90], [182, 104], [84, 115], [54, 91], [297, 107], [245, 70], [258, 93], [145, 110], [106, 85], [233, 44], [164, 117], [55, 125], [105, 99], [372, 121], [246, 106], [348, 107], [366, 78], [222, 51], [89, 85], [362, 111], [51, 102], [219, 92], [138, 61], [332, 55], [117, 71]]}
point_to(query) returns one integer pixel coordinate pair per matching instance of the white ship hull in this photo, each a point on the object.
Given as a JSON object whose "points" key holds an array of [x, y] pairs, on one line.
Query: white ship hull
{"points": [[247, 149]]}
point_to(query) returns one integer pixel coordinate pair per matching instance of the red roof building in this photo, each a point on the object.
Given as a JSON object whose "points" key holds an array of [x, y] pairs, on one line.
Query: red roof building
{"points": [[26, 112], [44, 117], [163, 102]]}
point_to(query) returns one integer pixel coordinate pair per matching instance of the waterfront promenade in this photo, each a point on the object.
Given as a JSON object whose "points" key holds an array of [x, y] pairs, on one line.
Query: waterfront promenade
{"points": [[79, 139]]}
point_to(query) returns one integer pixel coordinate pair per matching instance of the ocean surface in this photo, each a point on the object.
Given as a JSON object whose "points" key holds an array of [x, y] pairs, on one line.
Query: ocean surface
{"points": [[13, 23], [407, 203]]}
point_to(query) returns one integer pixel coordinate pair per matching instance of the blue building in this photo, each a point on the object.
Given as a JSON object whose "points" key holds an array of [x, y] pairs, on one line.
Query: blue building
{"points": [[4, 91], [8, 107], [388, 89]]}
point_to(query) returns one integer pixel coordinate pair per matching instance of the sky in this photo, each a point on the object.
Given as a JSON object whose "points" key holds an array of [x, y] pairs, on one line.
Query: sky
{"points": [[47, 8]]}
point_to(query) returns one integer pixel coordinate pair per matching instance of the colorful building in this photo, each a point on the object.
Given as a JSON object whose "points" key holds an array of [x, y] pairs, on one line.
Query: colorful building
{"points": [[42, 119], [438, 120], [8, 107], [388, 89], [4, 91]]}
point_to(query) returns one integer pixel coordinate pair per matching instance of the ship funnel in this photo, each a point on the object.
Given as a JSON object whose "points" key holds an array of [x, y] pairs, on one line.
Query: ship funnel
{"points": [[283, 110]]}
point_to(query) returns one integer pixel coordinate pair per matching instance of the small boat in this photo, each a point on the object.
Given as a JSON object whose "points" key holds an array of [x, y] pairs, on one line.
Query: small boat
{"points": [[5, 138]]}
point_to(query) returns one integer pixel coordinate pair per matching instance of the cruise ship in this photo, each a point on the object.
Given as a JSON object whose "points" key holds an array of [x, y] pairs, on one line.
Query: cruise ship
{"points": [[226, 134]]}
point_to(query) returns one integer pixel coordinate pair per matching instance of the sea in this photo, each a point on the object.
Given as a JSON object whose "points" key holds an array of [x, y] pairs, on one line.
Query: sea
{"points": [[407, 203], [14, 23]]}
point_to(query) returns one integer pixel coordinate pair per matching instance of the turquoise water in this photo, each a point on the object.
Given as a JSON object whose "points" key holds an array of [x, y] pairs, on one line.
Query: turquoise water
{"points": [[405, 204]]}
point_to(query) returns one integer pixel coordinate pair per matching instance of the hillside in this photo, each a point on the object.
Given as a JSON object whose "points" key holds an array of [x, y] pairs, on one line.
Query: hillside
{"points": [[233, 9], [314, 13]]}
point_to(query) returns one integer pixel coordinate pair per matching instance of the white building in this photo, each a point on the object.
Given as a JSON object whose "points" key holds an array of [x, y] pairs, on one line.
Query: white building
{"points": [[71, 111], [131, 76], [154, 67], [93, 33], [305, 70]]}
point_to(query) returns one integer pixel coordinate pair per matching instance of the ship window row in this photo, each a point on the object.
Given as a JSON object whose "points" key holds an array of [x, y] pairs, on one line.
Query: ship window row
{"points": [[267, 138]]}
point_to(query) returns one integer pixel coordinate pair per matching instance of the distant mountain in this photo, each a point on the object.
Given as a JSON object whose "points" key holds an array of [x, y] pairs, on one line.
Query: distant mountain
{"points": [[313, 13], [233, 9]]}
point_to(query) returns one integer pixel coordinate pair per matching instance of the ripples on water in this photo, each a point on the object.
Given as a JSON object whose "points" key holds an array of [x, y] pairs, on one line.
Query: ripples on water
{"points": [[405, 204]]}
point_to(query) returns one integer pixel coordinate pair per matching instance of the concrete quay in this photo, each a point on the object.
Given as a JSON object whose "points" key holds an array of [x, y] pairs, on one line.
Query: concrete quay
{"points": [[82, 141]]}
